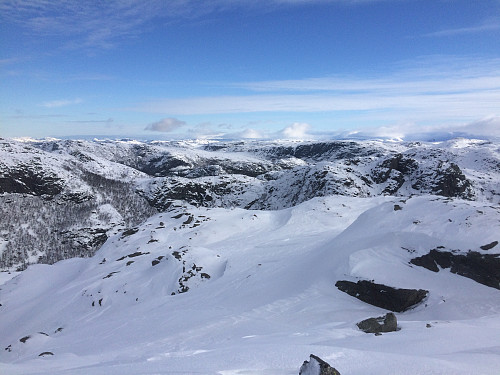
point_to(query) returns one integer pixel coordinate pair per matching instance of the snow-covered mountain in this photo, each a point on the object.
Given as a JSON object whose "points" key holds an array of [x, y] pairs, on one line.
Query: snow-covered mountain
{"points": [[63, 199], [245, 258]]}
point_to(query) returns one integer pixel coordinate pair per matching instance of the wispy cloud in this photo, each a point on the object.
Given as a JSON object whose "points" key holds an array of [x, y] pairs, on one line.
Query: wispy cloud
{"points": [[166, 125], [489, 25], [465, 88], [9, 61], [102, 24], [108, 121], [61, 103]]}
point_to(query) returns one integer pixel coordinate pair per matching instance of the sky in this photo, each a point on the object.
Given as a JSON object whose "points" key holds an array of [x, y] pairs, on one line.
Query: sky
{"points": [[295, 69]]}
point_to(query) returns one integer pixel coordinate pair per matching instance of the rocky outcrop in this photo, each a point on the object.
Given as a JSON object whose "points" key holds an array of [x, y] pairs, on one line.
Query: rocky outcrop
{"points": [[316, 366], [380, 295], [30, 180], [482, 268], [447, 180], [382, 324], [433, 176], [489, 246], [394, 172]]}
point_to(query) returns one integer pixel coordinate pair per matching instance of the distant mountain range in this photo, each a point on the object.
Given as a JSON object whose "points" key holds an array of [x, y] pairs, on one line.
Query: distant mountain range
{"points": [[63, 198]]}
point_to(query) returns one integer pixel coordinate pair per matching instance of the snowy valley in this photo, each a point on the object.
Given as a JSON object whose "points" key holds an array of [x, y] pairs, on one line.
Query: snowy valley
{"points": [[127, 257]]}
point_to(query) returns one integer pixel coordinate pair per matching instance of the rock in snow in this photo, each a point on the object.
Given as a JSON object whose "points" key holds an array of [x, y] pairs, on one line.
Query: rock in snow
{"points": [[482, 268], [316, 366], [386, 323], [386, 297]]}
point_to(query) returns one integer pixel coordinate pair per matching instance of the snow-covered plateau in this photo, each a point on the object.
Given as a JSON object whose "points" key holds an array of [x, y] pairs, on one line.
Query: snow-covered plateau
{"points": [[226, 258]]}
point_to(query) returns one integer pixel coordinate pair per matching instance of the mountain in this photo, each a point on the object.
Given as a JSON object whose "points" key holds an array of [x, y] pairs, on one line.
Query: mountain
{"points": [[64, 198], [245, 258]]}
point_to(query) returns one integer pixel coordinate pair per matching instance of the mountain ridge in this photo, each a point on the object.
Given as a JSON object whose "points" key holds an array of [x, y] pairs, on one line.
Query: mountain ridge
{"points": [[116, 178]]}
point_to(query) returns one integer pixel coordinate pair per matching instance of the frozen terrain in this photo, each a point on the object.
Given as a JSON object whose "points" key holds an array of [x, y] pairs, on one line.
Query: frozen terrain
{"points": [[62, 199], [197, 290]]}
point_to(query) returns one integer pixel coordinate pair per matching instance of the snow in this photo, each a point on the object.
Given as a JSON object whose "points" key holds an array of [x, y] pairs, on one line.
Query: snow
{"points": [[270, 300]]}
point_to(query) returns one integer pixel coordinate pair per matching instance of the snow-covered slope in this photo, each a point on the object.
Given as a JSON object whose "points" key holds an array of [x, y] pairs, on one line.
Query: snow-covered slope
{"points": [[199, 290]]}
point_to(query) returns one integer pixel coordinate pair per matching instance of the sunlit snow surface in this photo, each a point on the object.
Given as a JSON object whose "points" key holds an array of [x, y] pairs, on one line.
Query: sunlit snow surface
{"points": [[269, 300]]}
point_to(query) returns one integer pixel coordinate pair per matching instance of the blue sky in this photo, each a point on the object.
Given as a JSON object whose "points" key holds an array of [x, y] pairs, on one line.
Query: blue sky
{"points": [[249, 68]]}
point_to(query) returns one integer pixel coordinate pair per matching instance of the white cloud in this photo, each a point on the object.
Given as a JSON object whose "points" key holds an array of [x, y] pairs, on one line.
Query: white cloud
{"points": [[61, 103], [485, 128], [166, 125], [251, 134], [489, 126], [433, 89], [297, 130]]}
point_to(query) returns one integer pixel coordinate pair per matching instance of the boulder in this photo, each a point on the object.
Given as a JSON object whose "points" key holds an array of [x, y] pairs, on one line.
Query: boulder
{"points": [[386, 323], [482, 268], [316, 366], [380, 295], [489, 246]]}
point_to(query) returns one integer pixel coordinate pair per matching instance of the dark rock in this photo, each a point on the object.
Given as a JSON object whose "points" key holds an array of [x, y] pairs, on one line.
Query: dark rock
{"points": [[189, 220], [380, 295], [482, 268], [30, 179], [453, 183], [130, 232], [316, 366], [397, 207], [133, 255], [110, 274], [489, 246], [45, 354], [386, 323], [446, 180], [394, 170], [24, 339]]}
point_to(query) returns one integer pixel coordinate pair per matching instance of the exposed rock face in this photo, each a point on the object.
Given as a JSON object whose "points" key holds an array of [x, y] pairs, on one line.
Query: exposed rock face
{"points": [[396, 169], [449, 181], [386, 323], [380, 295], [316, 366], [31, 180], [489, 246], [439, 178], [482, 268]]}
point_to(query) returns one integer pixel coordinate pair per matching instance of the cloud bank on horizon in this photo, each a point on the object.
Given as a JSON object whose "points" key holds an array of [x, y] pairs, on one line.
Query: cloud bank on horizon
{"points": [[297, 69]]}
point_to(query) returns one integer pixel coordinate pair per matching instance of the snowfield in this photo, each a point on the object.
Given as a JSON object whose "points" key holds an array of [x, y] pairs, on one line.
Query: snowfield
{"points": [[197, 290]]}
